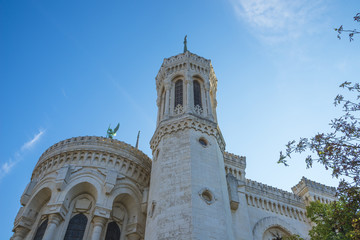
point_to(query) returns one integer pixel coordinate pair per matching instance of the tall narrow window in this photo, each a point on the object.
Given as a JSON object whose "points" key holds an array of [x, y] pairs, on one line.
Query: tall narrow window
{"points": [[197, 94], [112, 232], [41, 230], [76, 227], [178, 93]]}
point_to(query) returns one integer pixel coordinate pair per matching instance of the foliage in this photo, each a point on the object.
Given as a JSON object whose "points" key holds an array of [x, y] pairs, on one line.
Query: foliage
{"points": [[336, 221], [293, 237], [351, 32], [339, 151]]}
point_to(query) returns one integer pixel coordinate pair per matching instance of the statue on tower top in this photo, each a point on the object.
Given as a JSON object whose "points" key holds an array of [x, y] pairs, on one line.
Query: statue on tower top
{"points": [[112, 133], [185, 42]]}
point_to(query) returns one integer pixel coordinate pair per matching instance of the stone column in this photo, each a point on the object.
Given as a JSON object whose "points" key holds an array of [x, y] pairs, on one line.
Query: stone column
{"points": [[99, 223], [189, 103], [53, 223], [20, 233], [208, 101], [167, 101]]}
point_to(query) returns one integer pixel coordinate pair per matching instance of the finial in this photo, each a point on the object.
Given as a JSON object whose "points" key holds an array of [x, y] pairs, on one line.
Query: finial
{"points": [[137, 141], [185, 42], [112, 133]]}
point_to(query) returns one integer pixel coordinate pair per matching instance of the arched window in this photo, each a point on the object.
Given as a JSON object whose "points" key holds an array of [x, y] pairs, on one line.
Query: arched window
{"points": [[112, 232], [41, 230], [197, 94], [178, 93], [76, 227]]}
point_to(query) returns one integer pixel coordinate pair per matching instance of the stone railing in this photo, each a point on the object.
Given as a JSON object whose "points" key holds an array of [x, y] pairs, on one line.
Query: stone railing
{"points": [[98, 152]]}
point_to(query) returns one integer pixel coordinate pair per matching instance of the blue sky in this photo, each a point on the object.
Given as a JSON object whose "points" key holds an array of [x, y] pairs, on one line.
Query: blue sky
{"points": [[70, 68]]}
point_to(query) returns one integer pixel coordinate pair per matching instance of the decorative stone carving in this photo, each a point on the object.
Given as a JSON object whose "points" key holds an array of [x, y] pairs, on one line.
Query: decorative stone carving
{"points": [[185, 123], [178, 109], [110, 181], [62, 177], [198, 109], [118, 213], [102, 212], [207, 195], [82, 205]]}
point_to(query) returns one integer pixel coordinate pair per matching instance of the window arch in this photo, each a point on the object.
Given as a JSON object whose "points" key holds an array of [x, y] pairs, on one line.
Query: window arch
{"points": [[41, 230], [76, 227], [197, 94], [112, 232], [178, 93]]}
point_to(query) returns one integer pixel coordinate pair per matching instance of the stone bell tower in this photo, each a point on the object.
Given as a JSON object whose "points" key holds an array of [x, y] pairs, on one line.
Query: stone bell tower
{"points": [[188, 198]]}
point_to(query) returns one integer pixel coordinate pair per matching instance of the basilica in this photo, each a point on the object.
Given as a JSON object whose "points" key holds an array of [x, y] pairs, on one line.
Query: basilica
{"points": [[98, 188]]}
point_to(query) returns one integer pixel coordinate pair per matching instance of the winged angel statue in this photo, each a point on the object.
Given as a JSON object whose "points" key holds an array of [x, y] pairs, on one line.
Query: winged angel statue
{"points": [[112, 133]]}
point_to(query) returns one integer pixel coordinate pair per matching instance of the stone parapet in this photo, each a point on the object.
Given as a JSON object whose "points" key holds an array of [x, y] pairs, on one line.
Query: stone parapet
{"points": [[99, 152], [275, 200], [306, 185], [273, 193], [235, 160], [235, 165]]}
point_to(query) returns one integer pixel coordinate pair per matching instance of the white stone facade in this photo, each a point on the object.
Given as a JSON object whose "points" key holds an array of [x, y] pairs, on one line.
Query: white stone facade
{"points": [[100, 188]]}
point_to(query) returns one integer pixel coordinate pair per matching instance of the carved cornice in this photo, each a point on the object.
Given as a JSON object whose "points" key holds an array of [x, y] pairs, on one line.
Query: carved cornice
{"points": [[187, 122]]}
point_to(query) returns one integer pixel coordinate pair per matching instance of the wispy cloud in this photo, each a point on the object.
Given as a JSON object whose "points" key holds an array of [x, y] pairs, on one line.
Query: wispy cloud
{"points": [[33, 141], [6, 167], [64, 93], [278, 20]]}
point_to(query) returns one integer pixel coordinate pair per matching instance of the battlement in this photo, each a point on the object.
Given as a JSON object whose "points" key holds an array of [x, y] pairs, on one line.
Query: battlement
{"points": [[235, 160], [272, 192], [307, 185]]}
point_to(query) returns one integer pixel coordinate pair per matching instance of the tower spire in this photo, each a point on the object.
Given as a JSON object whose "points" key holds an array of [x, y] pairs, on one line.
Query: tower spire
{"points": [[137, 140], [185, 44]]}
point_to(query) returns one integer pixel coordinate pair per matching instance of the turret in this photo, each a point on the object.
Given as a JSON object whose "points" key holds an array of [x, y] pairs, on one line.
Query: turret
{"points": [[188, 196]]}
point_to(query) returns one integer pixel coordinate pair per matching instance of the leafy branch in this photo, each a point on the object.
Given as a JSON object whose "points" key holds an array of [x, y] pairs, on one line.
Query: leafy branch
{"points": [[340, 30]]}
